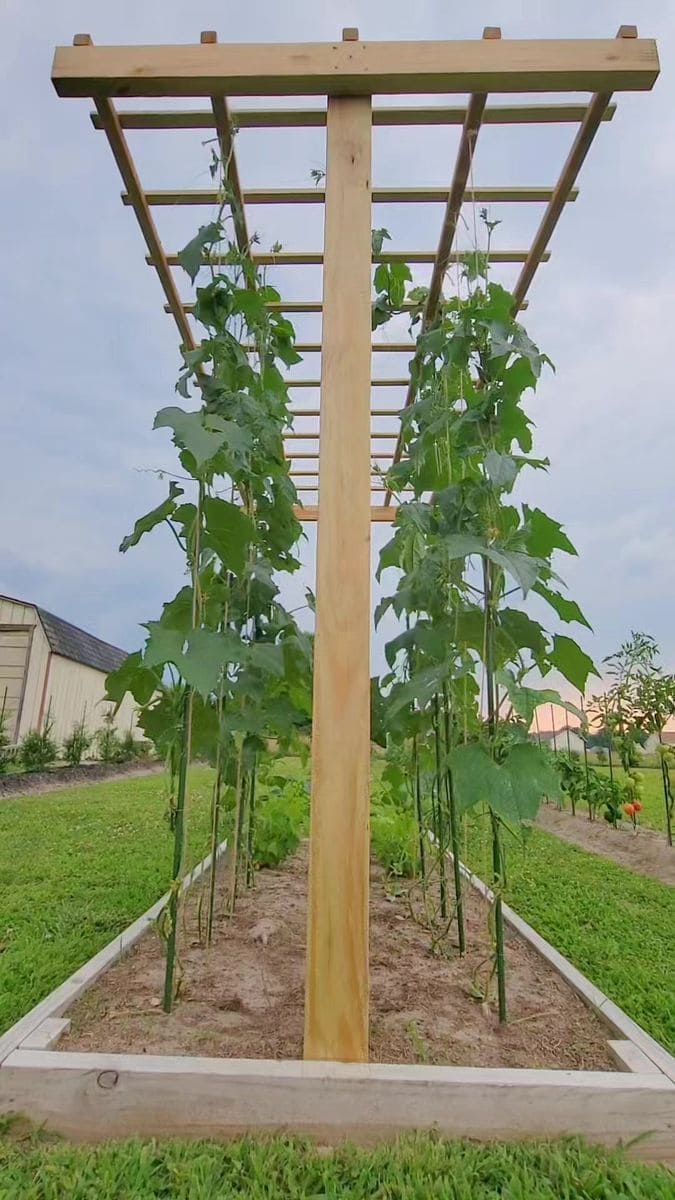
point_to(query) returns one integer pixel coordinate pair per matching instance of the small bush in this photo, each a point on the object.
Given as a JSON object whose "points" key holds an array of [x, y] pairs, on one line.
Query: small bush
{"points": [[37, 750], [75, 747], [107, 740], [280, 822], [395, 839]]}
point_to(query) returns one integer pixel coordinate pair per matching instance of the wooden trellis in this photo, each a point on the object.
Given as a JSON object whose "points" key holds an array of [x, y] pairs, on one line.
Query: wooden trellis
{"points": [[350, 73]]}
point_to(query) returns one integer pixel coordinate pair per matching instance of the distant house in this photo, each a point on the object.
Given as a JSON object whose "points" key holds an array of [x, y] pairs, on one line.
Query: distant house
{"points": [[47, 664], [559, 740]]}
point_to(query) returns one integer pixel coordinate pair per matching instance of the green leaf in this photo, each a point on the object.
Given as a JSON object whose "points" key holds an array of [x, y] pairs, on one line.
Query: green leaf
{"points": [[163, 645], [132, 676], [206, 654], [477, 779], [152, 518], [501, 469], [533, 776], [267, 657], [523, 632], [522, 567], [568, 658], [420, 688], [544, 535], [229, 531], [191, 257], [567, 610], [377, 239], [381, 278], [190, 432]]}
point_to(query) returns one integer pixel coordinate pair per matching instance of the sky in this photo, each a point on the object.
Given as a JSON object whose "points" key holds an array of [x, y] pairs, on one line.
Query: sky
{"points": [[90, 354]]}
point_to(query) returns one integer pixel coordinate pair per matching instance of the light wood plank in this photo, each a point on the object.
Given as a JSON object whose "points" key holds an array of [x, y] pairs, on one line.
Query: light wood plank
{"points": [[294, 118], [336, 988], [167, 197], [347, 68], [314, 258], [94, 1097], [630, 1058], [378, 513], [47, 1034]]}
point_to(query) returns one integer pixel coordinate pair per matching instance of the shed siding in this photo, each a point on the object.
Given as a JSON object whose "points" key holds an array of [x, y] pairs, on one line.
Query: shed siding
{"points": [[13, 613], [71, 687]]}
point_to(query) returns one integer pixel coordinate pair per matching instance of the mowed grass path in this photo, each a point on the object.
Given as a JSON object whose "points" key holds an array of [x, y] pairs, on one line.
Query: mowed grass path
{"points": [[76, 867]]}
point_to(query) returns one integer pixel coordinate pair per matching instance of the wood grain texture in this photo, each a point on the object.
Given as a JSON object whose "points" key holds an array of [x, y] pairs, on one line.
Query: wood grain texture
{"points": [[347, 68], [377, 513], [171, 197], [47, 1034], [294, 118], [90, 1097], [336, 990]]}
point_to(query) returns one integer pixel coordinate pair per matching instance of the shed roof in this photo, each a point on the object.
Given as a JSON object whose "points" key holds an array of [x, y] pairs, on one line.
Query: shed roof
{"points": [[72, 642]]}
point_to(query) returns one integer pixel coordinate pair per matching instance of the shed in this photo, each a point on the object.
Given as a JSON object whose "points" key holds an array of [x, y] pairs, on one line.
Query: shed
{"points": [[49, 665]]}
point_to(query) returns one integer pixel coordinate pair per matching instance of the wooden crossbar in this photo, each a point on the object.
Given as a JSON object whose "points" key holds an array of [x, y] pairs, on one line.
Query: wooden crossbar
{"points": [[302, 118], [314, 258], [355, 68], [171, 198]]}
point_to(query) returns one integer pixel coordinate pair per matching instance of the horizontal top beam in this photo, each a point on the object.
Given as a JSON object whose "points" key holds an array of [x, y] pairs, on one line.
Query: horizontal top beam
{"points": [[380, 195], [313, 118], [355, 68], [313, 258]]}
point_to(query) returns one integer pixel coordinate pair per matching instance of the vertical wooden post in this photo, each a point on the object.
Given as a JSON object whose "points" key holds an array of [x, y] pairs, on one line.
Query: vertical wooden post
{"points": [[336, 991]]}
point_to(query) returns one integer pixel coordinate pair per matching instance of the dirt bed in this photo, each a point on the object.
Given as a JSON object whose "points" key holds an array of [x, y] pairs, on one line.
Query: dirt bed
{"points": [[243, 998], [646, 851]]}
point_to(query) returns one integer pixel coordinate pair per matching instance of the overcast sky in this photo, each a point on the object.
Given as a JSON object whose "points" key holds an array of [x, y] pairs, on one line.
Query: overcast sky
{"points": [[90, 355]]}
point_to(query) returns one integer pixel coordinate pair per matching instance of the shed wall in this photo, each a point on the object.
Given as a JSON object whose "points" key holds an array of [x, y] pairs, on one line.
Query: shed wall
{"points": [[74, 689]]}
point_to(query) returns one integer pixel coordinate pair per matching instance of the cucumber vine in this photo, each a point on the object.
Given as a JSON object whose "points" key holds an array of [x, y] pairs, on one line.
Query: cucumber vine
{"points": [[458, 697], [241, 667]]}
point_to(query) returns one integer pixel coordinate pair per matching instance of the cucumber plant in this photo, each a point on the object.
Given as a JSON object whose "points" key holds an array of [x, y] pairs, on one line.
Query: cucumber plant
{"points": [[458, 693], [239, 664]]}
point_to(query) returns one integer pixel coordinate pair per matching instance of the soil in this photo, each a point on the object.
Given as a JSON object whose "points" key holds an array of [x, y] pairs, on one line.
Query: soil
{"points": [[243, 998], [36, 783], [646, 852]]}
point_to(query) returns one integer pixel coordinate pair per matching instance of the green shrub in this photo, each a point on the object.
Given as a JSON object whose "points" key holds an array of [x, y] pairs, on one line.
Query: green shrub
{"points": [[107, 741], [280, 822], [395, 839], [75, 747], [37, 750]]}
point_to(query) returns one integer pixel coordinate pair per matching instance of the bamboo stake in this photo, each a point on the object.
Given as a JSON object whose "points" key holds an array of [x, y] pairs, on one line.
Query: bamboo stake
{"points": [[454, 831]]}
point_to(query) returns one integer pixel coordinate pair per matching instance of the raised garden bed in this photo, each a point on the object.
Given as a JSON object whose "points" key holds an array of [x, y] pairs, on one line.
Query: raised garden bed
{"points": [[227, 1060]]}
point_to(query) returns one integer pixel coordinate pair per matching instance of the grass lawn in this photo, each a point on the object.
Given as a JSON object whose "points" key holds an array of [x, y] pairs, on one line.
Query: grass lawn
{"points": [[415, 1168], [76, 867], [613, 924]]}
